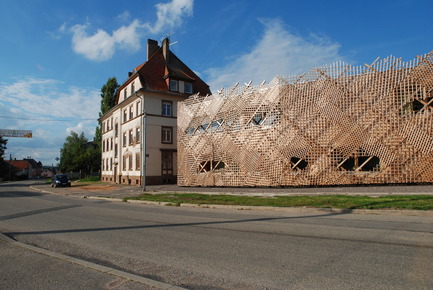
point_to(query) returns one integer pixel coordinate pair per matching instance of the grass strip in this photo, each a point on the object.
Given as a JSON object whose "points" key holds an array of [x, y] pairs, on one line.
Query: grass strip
{"points": [[414, 202], [90, 179]]}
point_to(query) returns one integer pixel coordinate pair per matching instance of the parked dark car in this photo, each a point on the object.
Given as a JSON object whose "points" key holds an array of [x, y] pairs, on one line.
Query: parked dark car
{"points": [[60, 180]]}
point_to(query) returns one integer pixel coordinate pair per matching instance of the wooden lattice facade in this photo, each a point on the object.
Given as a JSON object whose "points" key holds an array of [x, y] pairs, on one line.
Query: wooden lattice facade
{"points": [[335, 125]]}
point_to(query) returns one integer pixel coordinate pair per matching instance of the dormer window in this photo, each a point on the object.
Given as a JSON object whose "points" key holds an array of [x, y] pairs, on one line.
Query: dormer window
{"points": [[174, 85], [188, 88], [132, 88], [125, 93]]}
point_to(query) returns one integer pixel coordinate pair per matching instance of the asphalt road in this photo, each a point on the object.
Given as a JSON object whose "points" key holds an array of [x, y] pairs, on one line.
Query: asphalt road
{"points": [[226, 249]]}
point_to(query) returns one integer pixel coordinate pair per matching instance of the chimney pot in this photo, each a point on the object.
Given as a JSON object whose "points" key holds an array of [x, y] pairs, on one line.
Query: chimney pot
{"points": [[152, 47]]}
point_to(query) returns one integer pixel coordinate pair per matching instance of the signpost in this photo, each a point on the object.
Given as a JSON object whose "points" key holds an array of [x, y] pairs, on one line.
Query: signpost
{"points": [[16, 133]]}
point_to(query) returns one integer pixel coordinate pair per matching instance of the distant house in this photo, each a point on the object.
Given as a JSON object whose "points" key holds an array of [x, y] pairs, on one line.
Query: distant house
{"points": [[144, 119], [26, 168], [48, 172]]}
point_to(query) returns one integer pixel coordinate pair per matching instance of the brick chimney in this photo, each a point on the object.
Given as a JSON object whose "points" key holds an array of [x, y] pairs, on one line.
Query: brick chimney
{"points": [[152, 47], [166, 49]]}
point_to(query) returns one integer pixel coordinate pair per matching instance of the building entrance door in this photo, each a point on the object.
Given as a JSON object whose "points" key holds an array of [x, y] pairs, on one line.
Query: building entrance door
{"points": [[167, 167]]}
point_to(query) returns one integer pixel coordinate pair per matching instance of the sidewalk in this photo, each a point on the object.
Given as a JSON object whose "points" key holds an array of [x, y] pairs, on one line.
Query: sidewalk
{"points": [[28, 267], [121, 191]]}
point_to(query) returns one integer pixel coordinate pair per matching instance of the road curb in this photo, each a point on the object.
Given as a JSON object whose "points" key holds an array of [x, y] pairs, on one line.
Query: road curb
{"points": [[90, 265], [40, 190]]}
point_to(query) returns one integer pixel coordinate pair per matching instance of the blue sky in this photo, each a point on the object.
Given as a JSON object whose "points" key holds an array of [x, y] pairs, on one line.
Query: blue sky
{"points": [[56, 55]]}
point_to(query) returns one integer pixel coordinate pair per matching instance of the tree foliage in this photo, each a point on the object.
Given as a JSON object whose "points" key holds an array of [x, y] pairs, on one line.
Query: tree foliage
{"points": [[108, 100], [3, 143], [108, 95], [4, 166], [79, 155]]}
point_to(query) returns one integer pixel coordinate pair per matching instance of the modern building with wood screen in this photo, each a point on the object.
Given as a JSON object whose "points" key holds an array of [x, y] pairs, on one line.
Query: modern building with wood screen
{"points": [[334, 125], [143, 121]]}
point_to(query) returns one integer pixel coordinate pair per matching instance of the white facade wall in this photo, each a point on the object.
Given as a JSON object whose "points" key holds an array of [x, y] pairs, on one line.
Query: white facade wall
{"points": [[130, 89], [123, 168]]}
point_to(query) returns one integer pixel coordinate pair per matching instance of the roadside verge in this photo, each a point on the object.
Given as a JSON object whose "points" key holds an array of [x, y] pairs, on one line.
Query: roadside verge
{"points": [[119, 197]]}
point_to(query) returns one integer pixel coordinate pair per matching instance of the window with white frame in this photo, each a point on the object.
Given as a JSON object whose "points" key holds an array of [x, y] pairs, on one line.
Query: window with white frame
{"points": [[131, 138], [137, 135], [138, 108], [167, 108], [137, 161], [167, 135]]}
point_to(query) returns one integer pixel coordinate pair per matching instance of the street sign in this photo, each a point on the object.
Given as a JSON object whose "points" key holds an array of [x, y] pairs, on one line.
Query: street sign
{"points": [[16, 133]]}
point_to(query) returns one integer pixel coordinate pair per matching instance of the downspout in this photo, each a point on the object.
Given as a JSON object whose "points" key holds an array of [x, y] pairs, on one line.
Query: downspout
{"points": [[143, 144], [120, 160]]}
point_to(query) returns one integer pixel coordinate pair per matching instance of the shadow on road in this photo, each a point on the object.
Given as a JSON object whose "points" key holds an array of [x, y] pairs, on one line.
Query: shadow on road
{"points": [[35, 212], [161, 225]]}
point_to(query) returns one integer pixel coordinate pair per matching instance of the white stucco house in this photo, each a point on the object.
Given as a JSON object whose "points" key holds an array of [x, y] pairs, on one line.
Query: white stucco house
{"points": [[147, 103]]}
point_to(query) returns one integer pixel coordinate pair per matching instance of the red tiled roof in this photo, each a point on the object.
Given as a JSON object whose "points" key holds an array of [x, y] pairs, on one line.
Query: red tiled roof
{"points": [[19, 164], [154, 72]]}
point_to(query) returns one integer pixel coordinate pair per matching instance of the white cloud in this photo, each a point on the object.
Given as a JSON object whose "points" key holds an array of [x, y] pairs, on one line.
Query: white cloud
{"points": [[101, 45], [124, 16], [171, 14], [50, 109], [82, 127], [49, 97], [58, 33], [278, 52], [62, 28]]}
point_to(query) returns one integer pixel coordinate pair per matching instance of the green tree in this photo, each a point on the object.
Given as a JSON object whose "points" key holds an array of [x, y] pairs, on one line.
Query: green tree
{"points": [[3, 143], [108, 100], [4, 166], [79, 155], [92, 157]]}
